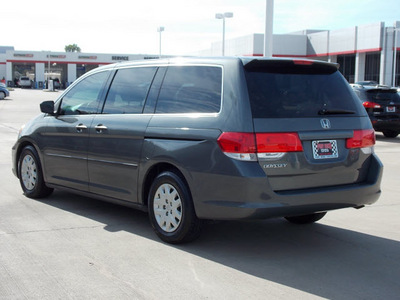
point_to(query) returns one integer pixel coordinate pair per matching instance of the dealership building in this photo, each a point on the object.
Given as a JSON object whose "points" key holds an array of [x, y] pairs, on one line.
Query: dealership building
{"points": [[64, 66], [365, 52]]}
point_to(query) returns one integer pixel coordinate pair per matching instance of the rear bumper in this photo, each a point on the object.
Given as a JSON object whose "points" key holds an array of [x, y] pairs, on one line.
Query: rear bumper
{"points": [[386, 124], [248, 198]]}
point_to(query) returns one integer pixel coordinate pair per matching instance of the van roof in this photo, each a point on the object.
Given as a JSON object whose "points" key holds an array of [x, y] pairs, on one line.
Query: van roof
{"points": [[248, 61]]}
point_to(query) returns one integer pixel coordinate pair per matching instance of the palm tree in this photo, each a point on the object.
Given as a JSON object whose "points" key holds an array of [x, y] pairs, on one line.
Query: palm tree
{"points": [[72, 48]]}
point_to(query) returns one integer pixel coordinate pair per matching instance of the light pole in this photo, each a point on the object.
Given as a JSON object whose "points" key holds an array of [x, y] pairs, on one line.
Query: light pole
{"points": [[395, 31], [269, 22], [223, 17], [160, 29]]}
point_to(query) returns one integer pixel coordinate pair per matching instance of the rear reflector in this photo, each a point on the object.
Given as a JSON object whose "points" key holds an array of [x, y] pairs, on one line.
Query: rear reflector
{"points": [[246, 146], [278, 142], [361, 139]]}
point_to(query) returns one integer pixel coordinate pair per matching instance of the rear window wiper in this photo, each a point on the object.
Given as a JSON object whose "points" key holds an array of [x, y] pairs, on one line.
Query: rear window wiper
{"points": [[325, 111]]}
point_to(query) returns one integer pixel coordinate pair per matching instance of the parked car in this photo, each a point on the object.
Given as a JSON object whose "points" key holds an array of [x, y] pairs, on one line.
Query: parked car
{"points": [[194, 139], [367, 83], [24, 82], [383, 107], [3, 91], [56, 83]]}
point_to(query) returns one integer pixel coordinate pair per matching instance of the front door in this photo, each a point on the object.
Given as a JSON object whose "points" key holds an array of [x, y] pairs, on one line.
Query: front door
{"points": [[66, 139]]}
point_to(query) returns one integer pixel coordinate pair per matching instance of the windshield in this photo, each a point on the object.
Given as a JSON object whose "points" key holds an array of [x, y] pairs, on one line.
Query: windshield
{"points": [[299, 94]]}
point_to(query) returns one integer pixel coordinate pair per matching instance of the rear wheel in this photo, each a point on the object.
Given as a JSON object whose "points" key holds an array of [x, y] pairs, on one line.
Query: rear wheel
{"points": [[2, 95], [306, 219], [30, 174], [171, 209], [390, 133]]}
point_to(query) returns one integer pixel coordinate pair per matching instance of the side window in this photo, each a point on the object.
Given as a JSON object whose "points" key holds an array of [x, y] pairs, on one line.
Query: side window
{"points": [[128, 91], [191, 89], [84, 98]]}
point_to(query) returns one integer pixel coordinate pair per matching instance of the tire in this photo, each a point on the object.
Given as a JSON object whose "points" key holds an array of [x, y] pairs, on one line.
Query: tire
{"points": [[306, 219], [390, 133], [31, 175], [2, 95], [171, 210]]}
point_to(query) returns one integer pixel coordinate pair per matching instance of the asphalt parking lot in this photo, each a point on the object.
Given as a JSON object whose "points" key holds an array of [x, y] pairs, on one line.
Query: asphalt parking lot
{"points": [[72, 247]]}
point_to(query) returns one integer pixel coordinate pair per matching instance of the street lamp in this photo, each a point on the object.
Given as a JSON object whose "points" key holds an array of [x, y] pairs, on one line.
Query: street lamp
{"points": [[160, 29], [223, 17], [395, 31], [269, 22]]}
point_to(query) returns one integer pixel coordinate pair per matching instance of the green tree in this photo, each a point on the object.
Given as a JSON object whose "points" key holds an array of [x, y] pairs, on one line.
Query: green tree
{"points": [[72, 48]]}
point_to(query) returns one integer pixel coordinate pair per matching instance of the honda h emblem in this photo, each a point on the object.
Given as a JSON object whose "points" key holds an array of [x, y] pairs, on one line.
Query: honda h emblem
{"points": [[325, 123]]}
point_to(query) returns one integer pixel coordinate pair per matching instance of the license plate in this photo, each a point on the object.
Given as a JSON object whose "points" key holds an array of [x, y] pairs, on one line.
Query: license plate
{"points": [[391, 109], [325, 149]]}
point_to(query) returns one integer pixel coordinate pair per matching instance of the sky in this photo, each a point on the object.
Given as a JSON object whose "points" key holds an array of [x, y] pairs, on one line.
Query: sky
{"points": [[130, 26]]}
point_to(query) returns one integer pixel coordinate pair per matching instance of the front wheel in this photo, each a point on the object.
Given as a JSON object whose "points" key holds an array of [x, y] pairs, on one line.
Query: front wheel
{"points": [[306, 219], [171, 209], [30, 174]]}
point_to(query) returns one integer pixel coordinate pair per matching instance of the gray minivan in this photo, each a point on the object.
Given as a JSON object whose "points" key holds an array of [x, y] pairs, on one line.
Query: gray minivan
{"points": [[192, 139]]}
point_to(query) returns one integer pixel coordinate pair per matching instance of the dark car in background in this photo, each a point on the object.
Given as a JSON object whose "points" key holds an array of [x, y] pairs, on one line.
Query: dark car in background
{"points": [[367, 83], [383, 107], [192, 139]]}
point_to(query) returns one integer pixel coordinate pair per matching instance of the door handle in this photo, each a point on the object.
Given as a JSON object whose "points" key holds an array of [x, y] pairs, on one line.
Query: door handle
{"points": [[80, 127], [100, 128]]}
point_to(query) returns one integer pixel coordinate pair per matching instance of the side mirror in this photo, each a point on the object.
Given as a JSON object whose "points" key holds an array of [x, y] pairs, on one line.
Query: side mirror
{"points": [[47, 107]]}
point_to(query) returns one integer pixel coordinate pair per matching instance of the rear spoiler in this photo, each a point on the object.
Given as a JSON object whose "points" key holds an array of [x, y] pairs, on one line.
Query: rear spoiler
{"points": [[286, 65]]}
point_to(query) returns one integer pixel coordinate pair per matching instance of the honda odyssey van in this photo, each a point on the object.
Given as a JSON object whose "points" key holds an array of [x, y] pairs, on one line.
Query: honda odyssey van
{"points": [[192, 139]]}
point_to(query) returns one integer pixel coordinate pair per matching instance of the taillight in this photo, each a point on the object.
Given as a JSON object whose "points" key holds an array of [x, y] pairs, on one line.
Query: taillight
{"points": [[238, 145], [361, 139], [237, 142], [368, 104], [247, 146]]}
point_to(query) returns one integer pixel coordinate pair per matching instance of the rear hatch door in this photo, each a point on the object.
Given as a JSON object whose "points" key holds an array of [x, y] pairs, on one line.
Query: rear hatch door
{"points": [[385, 102], [309, 125]]}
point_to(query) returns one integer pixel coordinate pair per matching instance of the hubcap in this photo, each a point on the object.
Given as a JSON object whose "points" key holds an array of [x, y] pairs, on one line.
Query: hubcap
{"points": [[29, 172], [167, 207]]}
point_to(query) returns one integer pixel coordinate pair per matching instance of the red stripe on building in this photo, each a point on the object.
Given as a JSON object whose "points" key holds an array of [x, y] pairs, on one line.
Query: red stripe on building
{"points": [[324, 54], [59, 62]]}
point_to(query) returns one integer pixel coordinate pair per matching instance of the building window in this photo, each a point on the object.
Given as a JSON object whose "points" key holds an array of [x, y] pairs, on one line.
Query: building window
{"points": [[347, 66], [397, 75], [84, 68], [372, 66]]}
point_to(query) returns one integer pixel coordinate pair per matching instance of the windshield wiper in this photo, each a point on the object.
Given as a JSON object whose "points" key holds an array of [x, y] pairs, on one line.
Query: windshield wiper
{"points": [[325, 111]]}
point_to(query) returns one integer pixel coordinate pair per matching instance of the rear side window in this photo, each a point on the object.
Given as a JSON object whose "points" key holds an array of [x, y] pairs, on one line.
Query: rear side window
{"points": [[129, 90], [298, 93], [191, 89]]}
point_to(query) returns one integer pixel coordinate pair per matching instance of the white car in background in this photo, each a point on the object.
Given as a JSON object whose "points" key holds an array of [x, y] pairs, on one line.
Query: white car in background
{"points": [[24, 81]]}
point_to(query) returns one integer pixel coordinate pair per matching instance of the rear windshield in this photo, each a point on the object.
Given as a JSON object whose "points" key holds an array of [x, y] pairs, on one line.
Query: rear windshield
{"points": [[300, 92], [383, 96]]}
